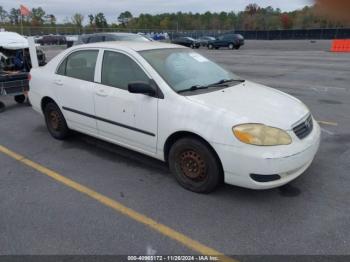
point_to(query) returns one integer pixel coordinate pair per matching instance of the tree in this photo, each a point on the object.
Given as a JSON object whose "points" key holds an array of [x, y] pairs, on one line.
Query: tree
{"points": [[77, 19], [37, 16], [50, 19], [252, 9], [286, 21], [125, 17], [165, 23], [3, 14], [91, 20], [15, 16], [100, 20]]}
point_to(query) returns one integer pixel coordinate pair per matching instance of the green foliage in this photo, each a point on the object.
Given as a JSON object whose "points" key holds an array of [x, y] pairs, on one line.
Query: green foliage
{"points": [[253, 17], [77, 19], [37, 16]]}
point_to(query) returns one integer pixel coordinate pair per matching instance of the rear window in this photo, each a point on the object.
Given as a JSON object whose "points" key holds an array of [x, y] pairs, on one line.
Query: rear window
{"points": [[79, 65]]}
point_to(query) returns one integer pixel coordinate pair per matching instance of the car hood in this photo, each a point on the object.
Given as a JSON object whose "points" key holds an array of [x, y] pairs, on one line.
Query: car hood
{"points": [[253, 103]]}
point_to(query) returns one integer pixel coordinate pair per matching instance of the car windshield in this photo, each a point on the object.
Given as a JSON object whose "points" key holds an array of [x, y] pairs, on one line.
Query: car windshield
{"points": [[184, 69]]}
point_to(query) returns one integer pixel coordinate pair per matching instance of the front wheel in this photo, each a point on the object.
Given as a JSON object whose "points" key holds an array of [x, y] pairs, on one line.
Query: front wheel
{"points": [[231, 46], [55, 121], [210, 46], [194, 165], [237, 47], [192, 46]]}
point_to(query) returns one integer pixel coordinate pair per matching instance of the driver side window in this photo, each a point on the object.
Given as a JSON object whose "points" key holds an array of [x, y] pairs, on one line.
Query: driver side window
{"points": [[118, 70]]}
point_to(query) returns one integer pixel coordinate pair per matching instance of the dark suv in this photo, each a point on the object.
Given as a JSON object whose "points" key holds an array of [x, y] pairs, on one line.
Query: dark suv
{"points": [[232, 41]]}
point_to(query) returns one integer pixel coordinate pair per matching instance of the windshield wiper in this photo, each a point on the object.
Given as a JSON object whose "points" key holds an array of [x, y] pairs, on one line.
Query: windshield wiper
{"points": [[224, 82], [192, 88]]}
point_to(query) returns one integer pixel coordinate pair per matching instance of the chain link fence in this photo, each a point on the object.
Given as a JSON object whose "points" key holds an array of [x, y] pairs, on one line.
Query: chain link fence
{"points": [[297, 34]]}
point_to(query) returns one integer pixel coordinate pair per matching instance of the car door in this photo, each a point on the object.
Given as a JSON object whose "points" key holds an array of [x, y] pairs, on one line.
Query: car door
{"points": [[75, 89], [126, 118], [221, 41]]}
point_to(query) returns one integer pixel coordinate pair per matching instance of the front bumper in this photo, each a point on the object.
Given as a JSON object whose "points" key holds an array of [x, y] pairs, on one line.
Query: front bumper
{"points": [[288, 162]]}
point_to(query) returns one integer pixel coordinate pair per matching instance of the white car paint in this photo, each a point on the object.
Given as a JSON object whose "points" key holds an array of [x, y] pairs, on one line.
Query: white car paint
{"points": [[13, 41], [210, 115]]}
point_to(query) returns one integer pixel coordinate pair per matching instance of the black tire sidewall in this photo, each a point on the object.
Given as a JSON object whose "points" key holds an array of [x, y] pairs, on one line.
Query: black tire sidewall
{"points": [[20, 99], [2, 107], [214, 173], [63, 130]]}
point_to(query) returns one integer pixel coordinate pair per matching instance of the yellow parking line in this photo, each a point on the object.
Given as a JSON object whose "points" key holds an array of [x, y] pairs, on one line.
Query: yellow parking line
{"points": [[328, 123], [160, 228]]}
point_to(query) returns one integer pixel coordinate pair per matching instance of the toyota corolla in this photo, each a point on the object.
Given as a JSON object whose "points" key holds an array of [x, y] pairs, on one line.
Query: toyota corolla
{"points": [[174, 104]]}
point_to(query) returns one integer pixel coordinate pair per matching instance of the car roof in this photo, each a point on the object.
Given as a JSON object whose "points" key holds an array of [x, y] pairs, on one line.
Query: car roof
{"points": [[136, 46]]}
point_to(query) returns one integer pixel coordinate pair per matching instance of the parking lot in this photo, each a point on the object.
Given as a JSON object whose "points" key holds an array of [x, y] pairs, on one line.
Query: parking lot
{"points": [[42, 213]]}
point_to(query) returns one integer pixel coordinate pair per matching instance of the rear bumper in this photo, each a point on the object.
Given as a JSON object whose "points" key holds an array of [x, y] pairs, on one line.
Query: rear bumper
{"points": [[288, 162]]}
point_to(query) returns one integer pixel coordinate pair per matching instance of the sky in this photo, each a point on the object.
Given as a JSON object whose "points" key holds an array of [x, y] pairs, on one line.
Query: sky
{"points": [[112, 8]]}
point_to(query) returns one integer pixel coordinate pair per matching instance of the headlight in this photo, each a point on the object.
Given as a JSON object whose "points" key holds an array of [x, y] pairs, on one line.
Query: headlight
{"points": [[261, 135]]}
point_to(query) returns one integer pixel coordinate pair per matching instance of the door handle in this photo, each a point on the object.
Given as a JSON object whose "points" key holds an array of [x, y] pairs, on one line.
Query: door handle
{"points": [[58, 82], [101, 92]]}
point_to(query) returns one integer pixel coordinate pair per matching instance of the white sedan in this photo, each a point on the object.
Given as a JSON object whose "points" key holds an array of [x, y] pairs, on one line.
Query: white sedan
{"points": [[173, 104]]}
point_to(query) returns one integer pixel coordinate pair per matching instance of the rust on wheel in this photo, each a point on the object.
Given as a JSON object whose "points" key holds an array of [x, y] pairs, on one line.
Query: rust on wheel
{"points": [[192, 165], [54, 119]]}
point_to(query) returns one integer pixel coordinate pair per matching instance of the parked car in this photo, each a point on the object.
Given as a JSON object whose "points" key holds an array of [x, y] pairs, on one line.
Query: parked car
{"points": [[232, 41], [104, 37], [173, 104], [204, 40], [186, 41], [52, 40]]}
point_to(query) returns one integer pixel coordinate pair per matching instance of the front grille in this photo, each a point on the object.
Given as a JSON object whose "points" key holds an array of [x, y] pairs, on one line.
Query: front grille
{"points": [[304, 129]]}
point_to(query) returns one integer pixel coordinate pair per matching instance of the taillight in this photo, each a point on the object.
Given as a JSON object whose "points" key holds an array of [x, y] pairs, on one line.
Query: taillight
{"points": [[29, 77]]}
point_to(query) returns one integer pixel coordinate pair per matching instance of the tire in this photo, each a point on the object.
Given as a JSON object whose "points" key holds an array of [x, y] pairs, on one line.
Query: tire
{"points": [[55, 121], [237, 47], [216, 47], [20, 99], [2, 107], [210, 46], [194, 165], [192, 46], [231, 46]]}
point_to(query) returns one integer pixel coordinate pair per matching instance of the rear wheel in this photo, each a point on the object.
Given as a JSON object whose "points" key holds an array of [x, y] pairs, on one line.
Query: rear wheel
{"points": [[55, 121], [210, 46], [2, 107], [194, 165], [20, 99], [231, 46]]}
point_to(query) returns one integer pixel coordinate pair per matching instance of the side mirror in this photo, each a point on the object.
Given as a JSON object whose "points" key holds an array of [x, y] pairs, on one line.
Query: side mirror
{"points": [[141, 88]]}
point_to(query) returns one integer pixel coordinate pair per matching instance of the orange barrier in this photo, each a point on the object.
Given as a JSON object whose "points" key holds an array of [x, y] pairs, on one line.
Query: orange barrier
{"points": [[342, 45]]}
